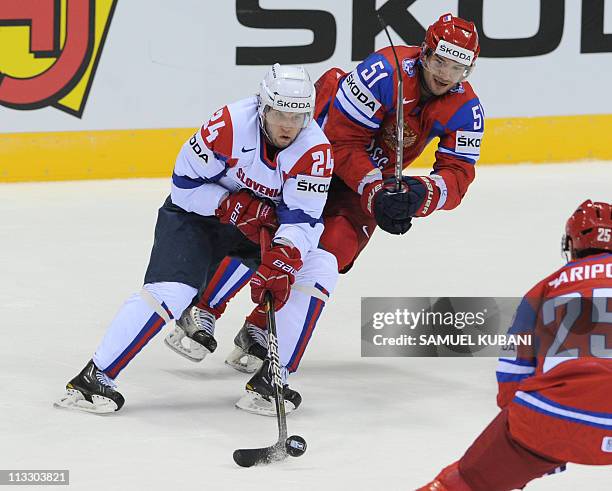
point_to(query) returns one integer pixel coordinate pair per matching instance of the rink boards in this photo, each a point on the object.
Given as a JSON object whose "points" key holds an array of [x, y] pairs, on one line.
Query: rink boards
{"points": [[105, 154]]}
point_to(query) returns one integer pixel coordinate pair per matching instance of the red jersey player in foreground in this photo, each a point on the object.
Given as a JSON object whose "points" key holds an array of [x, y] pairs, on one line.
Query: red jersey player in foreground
{"points": [[357, 112], [556, 400]]}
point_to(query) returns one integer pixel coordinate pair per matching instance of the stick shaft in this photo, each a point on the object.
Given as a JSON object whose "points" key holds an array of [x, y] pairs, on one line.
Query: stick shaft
{"points": [[399, 113], [281, 417]]}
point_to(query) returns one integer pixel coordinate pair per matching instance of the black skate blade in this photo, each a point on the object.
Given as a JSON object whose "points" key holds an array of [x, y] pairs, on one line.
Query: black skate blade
{"points": [[248, 457]]}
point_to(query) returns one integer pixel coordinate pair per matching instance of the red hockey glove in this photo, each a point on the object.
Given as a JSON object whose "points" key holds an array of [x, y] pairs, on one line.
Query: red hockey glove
{"points": [[276, 273], [247, 212]]}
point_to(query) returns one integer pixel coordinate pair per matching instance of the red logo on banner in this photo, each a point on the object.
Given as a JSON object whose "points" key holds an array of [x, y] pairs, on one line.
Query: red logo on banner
{"points": [[55, 47]]}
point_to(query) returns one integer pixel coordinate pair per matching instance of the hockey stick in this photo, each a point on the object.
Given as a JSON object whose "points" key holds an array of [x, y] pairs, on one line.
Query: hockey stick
{"points": [[399, 150], [294, 445]]}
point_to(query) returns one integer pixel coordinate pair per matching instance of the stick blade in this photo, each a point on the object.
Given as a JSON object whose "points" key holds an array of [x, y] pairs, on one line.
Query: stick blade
{"points": [[248, 457]]}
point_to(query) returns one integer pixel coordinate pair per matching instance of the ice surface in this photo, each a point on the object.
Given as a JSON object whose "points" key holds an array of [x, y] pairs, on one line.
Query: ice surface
{"points": [[72, 252]]}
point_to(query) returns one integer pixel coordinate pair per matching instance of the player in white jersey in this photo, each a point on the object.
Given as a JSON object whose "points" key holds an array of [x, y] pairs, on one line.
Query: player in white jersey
{"points": [[259, 162]]}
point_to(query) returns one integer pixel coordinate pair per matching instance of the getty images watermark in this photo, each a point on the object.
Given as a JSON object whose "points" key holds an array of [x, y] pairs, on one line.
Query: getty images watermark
{"points": [[443, 326]]}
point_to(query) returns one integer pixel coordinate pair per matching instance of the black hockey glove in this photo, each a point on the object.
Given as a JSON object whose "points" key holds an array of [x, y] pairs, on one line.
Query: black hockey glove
{"points": [[386, 218], [393, 210], [390, 209], [419, 196]]}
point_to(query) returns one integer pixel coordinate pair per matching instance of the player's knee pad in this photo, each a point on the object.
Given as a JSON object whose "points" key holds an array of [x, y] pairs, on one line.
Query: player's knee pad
{"points": [[340, 239], [327, 273], [320, 268], [176, 296]]}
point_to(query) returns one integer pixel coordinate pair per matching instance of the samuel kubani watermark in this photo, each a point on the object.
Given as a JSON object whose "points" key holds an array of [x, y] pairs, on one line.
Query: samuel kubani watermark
{"points": [[442, 326]]}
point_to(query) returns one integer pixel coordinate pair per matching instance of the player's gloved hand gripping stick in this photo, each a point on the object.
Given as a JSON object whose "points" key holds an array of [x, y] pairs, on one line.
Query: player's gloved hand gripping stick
{"points": [[294, 445]]}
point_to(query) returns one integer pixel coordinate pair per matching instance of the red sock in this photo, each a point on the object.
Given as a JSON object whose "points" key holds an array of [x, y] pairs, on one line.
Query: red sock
{"points": [[258, 317]]}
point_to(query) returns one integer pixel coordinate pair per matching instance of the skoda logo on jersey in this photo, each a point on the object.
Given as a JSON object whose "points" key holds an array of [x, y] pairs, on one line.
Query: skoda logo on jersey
{"points": [[293, 104], [408, 66], [468, 142], [312, 184], [310, 187], [464, 141], [361, 96]]}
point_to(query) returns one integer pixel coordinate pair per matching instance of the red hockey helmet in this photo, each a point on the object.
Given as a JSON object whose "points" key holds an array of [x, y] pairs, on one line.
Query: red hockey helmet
{"points": [[589, 228], [453, 38]]}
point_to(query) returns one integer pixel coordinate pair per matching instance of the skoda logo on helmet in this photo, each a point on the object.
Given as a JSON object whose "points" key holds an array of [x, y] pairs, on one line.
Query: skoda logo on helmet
{"points": [[292, 104], [454, 52]]}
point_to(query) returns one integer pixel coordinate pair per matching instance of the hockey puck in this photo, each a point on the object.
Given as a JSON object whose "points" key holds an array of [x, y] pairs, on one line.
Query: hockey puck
{"points": [[295, 445]]}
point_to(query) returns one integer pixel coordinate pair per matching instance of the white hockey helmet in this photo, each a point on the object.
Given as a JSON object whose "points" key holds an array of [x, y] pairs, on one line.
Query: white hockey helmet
{"points": [[287, 88]]}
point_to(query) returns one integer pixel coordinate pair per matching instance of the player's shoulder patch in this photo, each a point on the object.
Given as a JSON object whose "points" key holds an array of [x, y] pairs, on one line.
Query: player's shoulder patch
{"points": [[408, 66], [468, 142]]}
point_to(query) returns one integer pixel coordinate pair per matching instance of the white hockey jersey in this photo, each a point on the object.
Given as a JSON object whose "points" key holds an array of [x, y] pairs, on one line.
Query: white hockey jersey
{"points": [[229, 153]]}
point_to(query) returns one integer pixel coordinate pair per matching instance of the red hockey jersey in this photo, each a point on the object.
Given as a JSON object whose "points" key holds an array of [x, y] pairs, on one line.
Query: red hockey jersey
{"points": [[357, 111], [559, 392]]}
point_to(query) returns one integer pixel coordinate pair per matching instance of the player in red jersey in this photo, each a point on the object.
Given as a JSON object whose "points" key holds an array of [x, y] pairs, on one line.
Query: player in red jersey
{"points": [[555, 399], [358, 114], [357, 111]]}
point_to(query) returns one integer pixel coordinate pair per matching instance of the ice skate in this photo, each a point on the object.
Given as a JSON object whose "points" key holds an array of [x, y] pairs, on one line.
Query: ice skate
{"points": [[251, 348], [91, 391], [193, 334], [260, 395]]}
